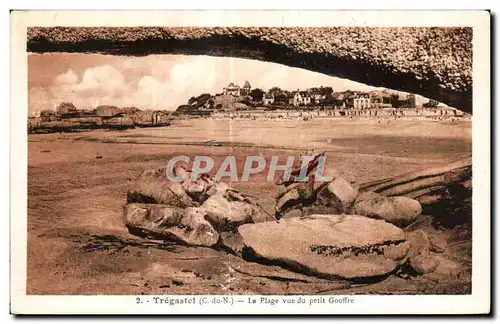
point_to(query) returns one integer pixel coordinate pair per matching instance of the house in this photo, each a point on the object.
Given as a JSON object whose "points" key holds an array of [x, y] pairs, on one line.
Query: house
{"points": [[431, 104], [316, 95], [300, 98], [380, 99], [362, 101], [245, 91], [338, 100], [349, 98], [232, 89], [268, 98], [66, 108], [408, 101], [416, 101]]}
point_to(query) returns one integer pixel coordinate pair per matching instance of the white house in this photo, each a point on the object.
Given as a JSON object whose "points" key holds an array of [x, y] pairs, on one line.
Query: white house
{"points": [[268, 98], [362, 101], [300, 98]]}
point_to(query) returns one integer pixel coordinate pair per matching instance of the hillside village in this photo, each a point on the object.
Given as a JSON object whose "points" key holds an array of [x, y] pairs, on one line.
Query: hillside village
{"points": [[246, 102], [344, 103]]}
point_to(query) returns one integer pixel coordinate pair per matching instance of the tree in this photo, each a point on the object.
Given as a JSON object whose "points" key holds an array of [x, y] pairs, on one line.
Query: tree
{"points": [[203, 98], [281, 98], [191, 100], [431, 104], [326, 91], [275, 91], [256, 94], [395, 101]]}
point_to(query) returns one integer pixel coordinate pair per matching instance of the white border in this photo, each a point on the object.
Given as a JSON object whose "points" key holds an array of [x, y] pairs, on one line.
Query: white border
{"points": [[478, 302]]}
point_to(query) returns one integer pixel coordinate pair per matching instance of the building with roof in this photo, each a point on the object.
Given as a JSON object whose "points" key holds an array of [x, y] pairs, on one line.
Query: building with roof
{"points": [[232, 89], [316, 95], [268, 98], [300, 98], [380, 99], [235, 90], [362, 101], [245, 91]]}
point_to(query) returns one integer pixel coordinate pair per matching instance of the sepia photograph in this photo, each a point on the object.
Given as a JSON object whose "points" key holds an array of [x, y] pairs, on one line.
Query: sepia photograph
{"points": [[174, 163]]}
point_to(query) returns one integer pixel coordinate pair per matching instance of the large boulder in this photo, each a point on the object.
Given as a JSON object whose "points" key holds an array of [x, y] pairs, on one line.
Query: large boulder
{"points": [[342, 191], [188, 225], [419, 256], [228, 208], [423, 263], [227, 215], [154, 201], [119, 122], [347, 246], [338, 196], [148, 118], [107, 111], [397, 210], [154, 187]]}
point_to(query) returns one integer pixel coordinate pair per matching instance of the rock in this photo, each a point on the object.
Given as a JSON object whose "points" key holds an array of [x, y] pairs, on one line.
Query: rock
{"points": [[197, 190], [347, 246], [233, 241], [341, 194], [396, 210], [423, 263], [107, 111], [419, 256], [158, 190], [398, 251], [188, 225], [258, 214], [286, 201], [153, 187], [419, 242], [119, 122], [438, 244], [352, 180], [448, 78], [148, 118], [218, 188], [226, 215], [446, 269], [294, 213]]}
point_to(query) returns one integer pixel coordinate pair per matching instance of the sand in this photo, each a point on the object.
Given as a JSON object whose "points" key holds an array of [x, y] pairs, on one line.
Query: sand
{"points": [[77, 243]]}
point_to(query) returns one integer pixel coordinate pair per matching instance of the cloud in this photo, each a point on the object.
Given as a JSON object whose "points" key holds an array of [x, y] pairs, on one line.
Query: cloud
{"points": [[157, 81], [104, 81], [164, 85], [68, 78], [39, 99]]}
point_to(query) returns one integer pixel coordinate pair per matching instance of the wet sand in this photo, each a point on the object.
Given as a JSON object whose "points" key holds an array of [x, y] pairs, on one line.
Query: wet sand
{"points": [[77, 185]]}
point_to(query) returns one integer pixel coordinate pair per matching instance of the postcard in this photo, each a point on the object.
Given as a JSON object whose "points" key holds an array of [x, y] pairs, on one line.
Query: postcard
{"points": [[250, 162]]}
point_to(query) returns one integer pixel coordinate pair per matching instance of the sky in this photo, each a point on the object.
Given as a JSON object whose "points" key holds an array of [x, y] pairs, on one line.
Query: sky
{"points": [[155, 81]]}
